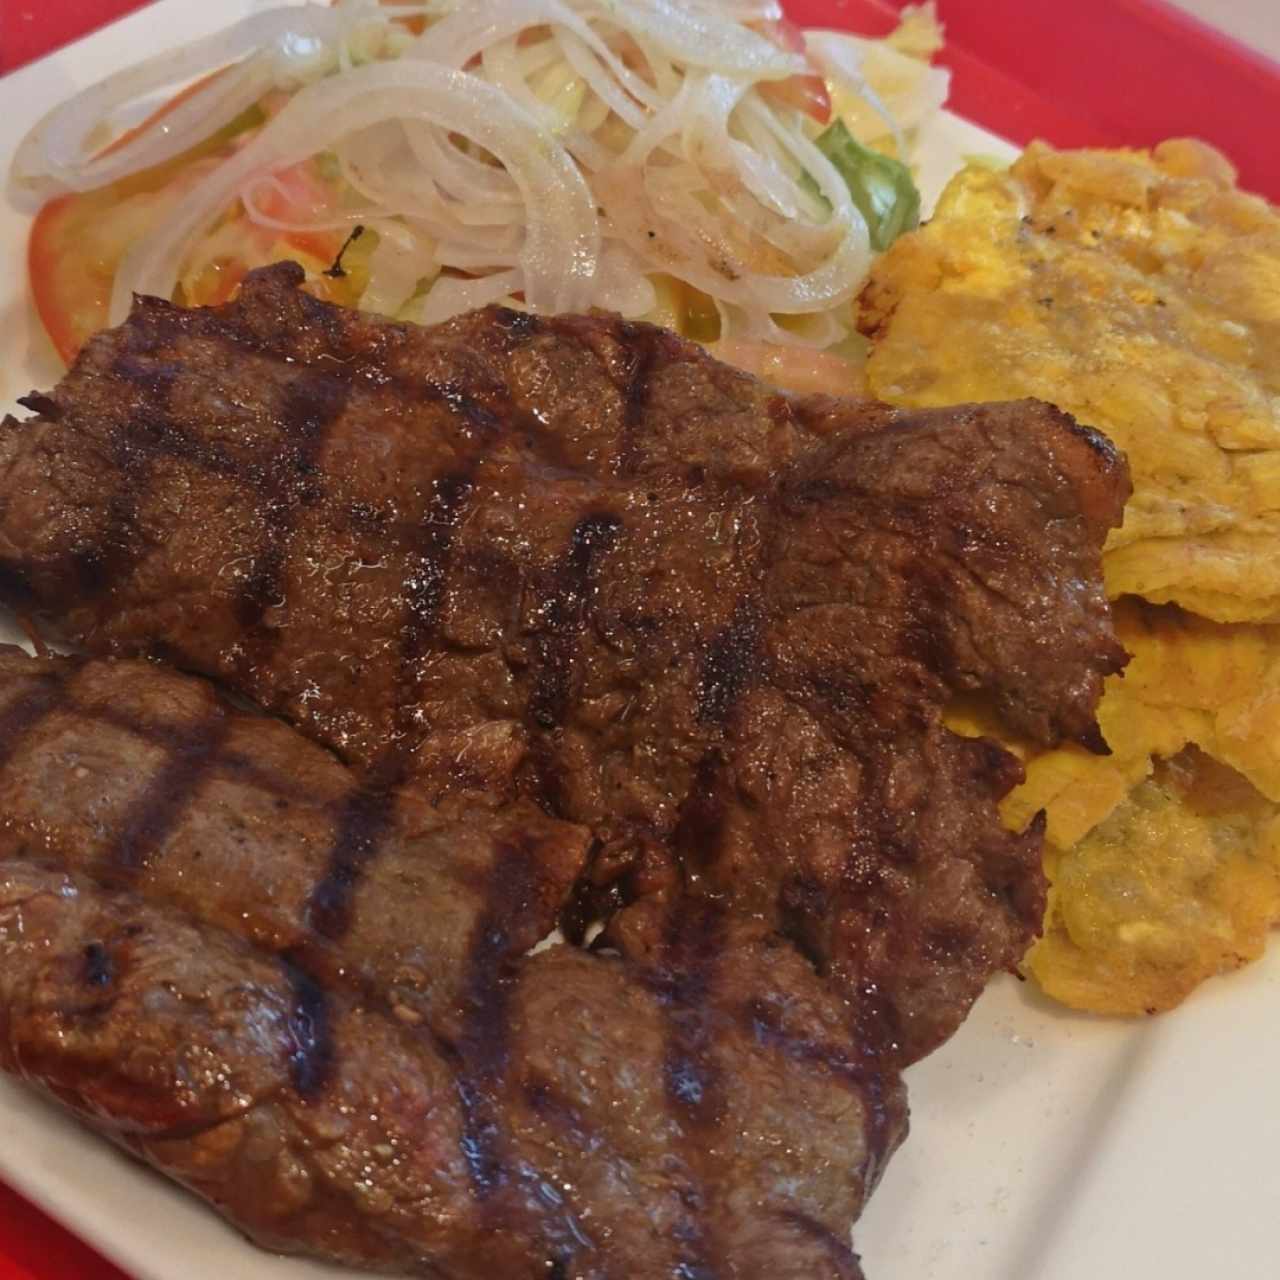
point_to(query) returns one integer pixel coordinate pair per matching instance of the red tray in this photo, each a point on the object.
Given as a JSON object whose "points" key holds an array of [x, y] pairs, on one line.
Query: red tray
{"points": [[1113, 72]]}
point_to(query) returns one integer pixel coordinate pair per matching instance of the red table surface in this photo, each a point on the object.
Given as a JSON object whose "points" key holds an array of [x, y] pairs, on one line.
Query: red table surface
{"points": [[1080, 73]]}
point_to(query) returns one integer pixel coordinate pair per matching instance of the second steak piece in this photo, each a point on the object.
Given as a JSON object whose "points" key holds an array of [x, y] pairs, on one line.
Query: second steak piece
{"points": [[148, 780], [597, 1119], [413, 1090], [578, 561]]}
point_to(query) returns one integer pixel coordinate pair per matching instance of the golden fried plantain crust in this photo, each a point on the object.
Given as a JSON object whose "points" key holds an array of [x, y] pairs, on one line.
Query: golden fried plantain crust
{"points": [[1141, 292]]}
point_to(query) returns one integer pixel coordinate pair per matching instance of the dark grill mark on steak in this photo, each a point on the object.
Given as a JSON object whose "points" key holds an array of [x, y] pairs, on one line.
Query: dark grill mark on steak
{"points": [[175, 737], [564, 1229], [310, 1047], [923, 639], [865, 1077], [694, 1085], [98, 969], [684, 985], [479, 417], [26, 712], [155, 376], [151, 435], [362, 826], [564, 614], [365, 819], [561, 619], [312, 402], [484, 1045], [193, 756], [641, 343], [424, 591], [98, 565], [199, 744], [729, 665], [697, 833], [801, 903]]}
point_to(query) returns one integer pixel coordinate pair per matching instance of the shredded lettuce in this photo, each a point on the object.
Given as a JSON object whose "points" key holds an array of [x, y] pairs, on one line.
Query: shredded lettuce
{"points": [[880, 186]]}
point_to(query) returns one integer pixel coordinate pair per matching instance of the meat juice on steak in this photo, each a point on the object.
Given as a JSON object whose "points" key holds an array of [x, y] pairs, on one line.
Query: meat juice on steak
{"points": [[577, 561], [420, 1095]]}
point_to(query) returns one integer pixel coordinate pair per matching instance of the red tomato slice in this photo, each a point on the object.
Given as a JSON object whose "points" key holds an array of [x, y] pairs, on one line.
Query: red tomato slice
{"points": [[294, 194], [75, 246], [77, 241], [807, 93], [71, 304]]}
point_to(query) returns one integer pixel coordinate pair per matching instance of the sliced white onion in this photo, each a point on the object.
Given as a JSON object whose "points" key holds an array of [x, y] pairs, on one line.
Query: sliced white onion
{"points": [[462, 176], [700, 36], [664, 73], [666, 159], [622, 285], [662, 211], [884, 92], [562, 238], [475, 258], [741, 10], [586, 62], [468, 31], [56, 154], [501, 66], [321, 219], [450, 296], [399, 263]]}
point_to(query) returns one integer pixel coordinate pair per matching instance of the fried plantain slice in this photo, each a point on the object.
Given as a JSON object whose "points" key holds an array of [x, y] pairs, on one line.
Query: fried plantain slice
{"points": [[1163, 856], [1140, 292], [1181, 882]]}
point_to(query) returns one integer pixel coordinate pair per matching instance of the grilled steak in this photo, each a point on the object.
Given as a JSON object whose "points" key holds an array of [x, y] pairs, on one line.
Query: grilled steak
{"points": [[577, 561], [148, 780], [702, 1109]]}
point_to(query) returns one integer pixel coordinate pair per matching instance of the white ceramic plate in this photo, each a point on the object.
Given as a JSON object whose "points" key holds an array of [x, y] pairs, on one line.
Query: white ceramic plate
{"points": [[1044, 1145]]}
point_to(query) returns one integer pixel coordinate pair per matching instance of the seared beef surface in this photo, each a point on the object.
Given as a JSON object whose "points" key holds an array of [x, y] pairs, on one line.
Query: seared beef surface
{"points": [[148, 780], [576, 562], [418, 1094]]}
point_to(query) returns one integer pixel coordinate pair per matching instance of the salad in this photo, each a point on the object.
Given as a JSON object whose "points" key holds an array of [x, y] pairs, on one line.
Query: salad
{"points": [[704, 165]]}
